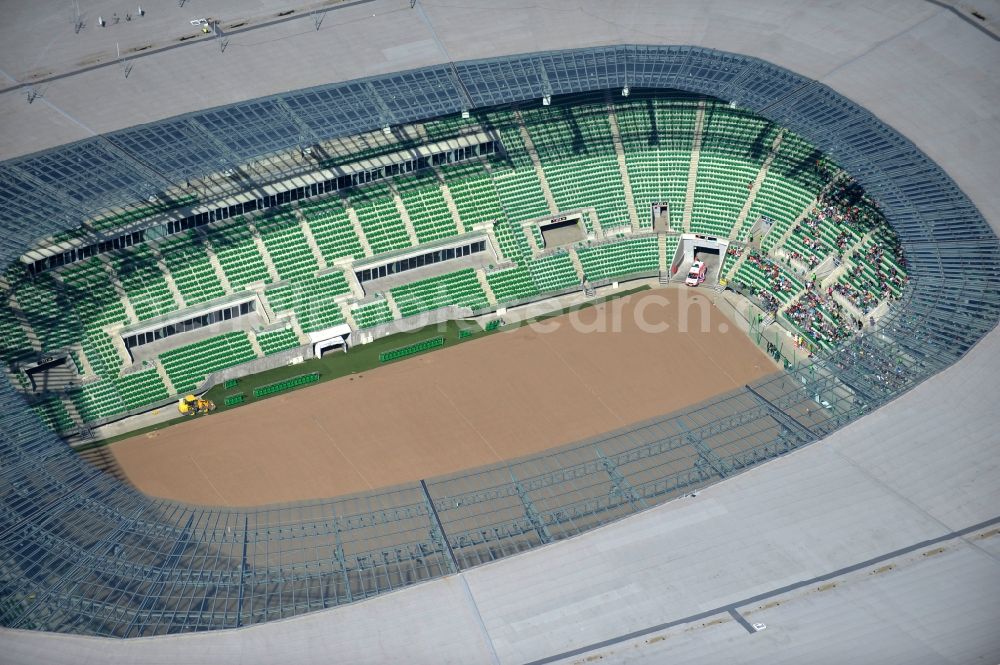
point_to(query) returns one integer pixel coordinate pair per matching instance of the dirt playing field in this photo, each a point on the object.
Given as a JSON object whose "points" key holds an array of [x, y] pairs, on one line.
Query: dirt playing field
{"points": [[500, 397]]}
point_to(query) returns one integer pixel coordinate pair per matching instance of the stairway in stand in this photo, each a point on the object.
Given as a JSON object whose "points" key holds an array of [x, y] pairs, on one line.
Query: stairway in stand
{"points": [[699, 122], [404, 216], [393, 307], [301, 334], [487, 228], [22, 320], [165, 378], [255, 345], [450, 202], [532, 243], [265, 255], [213, 260], [346, 264], [311, 240], [119, 289], [736, 266], [490, 296], [576, 263], [752, 196], [529, 146], [791, 228], [616, 136], [73, 412], [360, 232], [846, 263], [168, 278], [794, 299]]}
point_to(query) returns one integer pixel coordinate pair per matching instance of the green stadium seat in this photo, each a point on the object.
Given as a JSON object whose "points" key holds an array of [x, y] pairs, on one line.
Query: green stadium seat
{"points": [[237, 253], [191, 269], [312, 299], [620, 259], [332, 229], [372, 314], [379, 218], [53, 413], [425, 204], [286, 244], [144, 283], [113, 396], [275, 341], [188, 365], [460, 288]]}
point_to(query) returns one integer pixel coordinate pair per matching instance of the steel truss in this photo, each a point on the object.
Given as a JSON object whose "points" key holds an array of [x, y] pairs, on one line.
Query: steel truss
{"points": [[82, 553]]}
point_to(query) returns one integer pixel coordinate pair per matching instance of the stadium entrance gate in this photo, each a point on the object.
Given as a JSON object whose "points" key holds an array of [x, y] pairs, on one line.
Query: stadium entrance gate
{"points": [[562, 230], [694, 246], [661, 216], [330, 338]]}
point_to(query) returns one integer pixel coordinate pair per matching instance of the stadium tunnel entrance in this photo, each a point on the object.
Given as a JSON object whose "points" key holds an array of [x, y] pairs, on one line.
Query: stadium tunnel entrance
{"points": [[51, 373], [660, 213], [336, 338], [563, 230], [695, 247]]}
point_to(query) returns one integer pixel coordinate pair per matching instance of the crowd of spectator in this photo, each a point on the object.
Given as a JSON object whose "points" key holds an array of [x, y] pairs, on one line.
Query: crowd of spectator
{"points": [[768, 302], [884, 285], [843, 205], [846, 205], [821, 317], [864, 301], [777, 280], [846, 214]]}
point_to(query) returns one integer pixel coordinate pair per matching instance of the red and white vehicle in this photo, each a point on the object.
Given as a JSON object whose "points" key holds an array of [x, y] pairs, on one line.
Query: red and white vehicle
{"points": [[696, 275]]}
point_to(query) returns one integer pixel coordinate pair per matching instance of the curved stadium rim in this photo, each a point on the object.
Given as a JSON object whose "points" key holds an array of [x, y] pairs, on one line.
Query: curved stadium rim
{"points": [[84, 553]]}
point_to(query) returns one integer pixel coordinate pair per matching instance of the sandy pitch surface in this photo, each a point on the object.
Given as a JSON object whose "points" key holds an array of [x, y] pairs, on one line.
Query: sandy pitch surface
{"points": [[500, 397]]}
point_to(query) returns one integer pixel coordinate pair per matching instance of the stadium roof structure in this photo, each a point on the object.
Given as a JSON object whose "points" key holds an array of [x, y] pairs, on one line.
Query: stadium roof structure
{"points": [[880, 540]]}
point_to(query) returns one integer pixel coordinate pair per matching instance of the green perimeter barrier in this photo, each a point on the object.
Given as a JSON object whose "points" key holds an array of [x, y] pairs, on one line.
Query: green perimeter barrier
{"points": [[286, 384], [231, 383], [233, 400], [417, 347]]}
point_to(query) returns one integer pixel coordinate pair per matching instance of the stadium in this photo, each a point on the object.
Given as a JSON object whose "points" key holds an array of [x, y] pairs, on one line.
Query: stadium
{"points": [[466, 408]]}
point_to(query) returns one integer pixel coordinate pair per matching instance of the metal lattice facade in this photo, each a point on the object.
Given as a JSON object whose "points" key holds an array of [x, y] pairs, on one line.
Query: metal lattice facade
{"points": [[80, 552]]}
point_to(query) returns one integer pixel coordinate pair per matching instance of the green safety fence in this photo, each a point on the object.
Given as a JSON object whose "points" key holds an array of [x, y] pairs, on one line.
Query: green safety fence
{"points": [[233, 400], [417, 347], [286, 384]]}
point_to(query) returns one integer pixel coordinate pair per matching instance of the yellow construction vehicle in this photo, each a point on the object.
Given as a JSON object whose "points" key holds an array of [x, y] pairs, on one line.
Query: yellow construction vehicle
{"points": [[193, 405]]}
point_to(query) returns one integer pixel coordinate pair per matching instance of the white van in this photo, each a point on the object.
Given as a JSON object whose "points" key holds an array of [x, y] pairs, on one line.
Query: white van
{"points": [[696, 275]]}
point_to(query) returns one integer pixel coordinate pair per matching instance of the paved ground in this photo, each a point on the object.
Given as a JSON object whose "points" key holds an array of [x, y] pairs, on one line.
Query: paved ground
{"points": [[504, 396]]}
